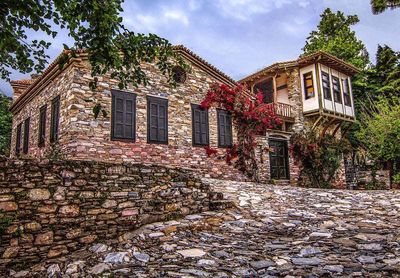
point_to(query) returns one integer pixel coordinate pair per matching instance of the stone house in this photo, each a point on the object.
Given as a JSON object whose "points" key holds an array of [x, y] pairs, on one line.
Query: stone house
{"points": [[159, 124]]}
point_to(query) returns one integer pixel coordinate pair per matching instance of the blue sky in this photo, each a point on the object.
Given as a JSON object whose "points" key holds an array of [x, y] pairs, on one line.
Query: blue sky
{"points": [[241, 36]]}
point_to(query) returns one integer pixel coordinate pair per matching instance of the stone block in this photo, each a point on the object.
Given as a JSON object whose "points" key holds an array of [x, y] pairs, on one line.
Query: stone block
{"points": [[44, 238], [38, 194]]}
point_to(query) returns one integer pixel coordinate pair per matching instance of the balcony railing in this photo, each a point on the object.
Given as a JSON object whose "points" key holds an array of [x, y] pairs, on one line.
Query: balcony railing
{"points": [[282, 109]]}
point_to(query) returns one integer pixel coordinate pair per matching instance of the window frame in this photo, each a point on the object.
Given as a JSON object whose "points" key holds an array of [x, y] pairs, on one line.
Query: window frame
{"points": [[323, 73], [346, 86], [226, 114], [195, 107], [310, 73], [42, 126], [25, 145], [339, 91], [115, 92], [18, 138], [157, 100], [55, 119]]}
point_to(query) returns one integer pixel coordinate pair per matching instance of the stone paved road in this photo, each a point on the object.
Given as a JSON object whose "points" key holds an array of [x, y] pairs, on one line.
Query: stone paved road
{"points": [[273, 231]]}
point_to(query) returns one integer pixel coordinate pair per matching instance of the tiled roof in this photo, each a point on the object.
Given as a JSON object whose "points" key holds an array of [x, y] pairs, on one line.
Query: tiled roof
{"points": [[190, 55], [320, 56]]}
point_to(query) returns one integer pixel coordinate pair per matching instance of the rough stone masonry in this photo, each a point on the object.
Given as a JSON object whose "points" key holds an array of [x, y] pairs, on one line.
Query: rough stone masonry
{"points": [[51, 208]]}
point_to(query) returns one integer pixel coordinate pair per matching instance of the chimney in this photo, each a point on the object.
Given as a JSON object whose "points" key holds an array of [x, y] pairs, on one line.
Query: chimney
{"points": [[20, 86]]}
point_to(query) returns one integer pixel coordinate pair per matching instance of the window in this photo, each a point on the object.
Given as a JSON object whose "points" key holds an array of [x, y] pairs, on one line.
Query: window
{"points": [[178, 74], [42, 126], [157, 120], [326, 86], [25, 147], [123, 121], [224, 128], [55, 119], [308, 85], [336, 90], [267, 89], [199, 126], [346, 92], [18, 139]]}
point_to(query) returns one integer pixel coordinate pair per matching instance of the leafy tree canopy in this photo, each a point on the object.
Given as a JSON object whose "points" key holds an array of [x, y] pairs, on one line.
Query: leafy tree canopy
{"points": [[95, 25], [334, 35], [5, 124], [379, 6]]}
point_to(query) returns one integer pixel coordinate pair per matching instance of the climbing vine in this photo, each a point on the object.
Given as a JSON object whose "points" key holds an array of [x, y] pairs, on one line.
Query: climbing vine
{"points": [[250, 116], [318, 157]]}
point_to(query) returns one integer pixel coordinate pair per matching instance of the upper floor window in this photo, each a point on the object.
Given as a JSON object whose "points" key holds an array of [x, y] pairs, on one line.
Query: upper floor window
{"points": [[25, 147], [42, 126], [337, 94], [157, 120], [55, 119], [308, 85], [18, 139], [326, 86], [267, 89], [200, 127], [123, 119], [224, 128], [346, 92]]}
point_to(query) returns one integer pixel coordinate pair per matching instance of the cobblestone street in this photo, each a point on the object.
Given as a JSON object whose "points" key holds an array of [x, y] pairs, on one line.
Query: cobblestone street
{"points": [[271, 231]]}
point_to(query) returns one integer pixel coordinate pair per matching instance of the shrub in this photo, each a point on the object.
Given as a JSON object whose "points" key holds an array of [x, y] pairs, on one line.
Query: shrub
{"points": [[318, 156]]}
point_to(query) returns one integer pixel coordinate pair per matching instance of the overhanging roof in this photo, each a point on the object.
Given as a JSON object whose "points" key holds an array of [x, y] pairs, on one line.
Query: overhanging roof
{"points": [[318, 57]]}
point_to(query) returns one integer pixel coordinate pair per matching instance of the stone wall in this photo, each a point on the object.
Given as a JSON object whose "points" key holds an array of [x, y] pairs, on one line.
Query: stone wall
{"points": [[52, 208], [84, 137]]}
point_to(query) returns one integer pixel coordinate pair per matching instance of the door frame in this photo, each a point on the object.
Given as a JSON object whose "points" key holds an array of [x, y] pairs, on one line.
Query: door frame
{"points": [[286, 146]]}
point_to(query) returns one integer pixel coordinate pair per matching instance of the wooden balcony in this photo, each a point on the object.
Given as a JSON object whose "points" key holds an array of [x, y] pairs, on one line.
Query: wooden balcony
{"points": [[283, 110]]}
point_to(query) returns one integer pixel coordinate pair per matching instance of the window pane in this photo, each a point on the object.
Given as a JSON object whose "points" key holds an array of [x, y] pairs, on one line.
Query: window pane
{"points": [[123, 115]]}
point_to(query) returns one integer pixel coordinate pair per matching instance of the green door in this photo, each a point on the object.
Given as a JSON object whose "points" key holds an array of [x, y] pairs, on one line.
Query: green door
{"points": [[278, 157]]}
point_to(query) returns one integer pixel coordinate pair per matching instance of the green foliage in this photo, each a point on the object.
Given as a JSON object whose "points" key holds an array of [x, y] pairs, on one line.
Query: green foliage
{"points": [[379, 6], [380, 129], [95, 25], [5, 222], [334, 35], [318, 157], [5, 124], [396, 178]]}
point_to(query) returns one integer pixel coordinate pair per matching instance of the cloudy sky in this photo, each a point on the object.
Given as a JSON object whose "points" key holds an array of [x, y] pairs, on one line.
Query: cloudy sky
{"points": [[241, 36]]}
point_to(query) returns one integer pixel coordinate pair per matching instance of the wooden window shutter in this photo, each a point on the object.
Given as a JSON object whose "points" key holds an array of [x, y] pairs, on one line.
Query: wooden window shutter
{"points": [[42, 126], [157, 120], [123, 121], [200, 127], [18, 139], [224, 128], [55, 119], [25, 147]]}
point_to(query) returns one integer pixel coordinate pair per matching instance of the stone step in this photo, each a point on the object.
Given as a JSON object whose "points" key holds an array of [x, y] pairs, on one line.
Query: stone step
{"points": [[221, 205]]}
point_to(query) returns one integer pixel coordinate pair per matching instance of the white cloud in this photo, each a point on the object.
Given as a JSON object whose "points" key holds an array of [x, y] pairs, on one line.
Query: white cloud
{"points": [[245, 9], [177, 15], [304, 4]]}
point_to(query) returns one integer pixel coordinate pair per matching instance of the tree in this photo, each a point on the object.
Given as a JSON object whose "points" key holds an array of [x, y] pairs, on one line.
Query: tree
{"points": [[5, 124], [334, 35], [379, 6], [386, 75], [380, 131], [95, 25]]}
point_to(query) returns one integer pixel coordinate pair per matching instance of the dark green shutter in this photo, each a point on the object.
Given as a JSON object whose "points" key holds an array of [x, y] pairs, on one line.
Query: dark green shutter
{"points": [[224, 128], [157, 120], [18, 139], [42, 126], [123, 122], [55, 119], [26, 135], [200, 128]]}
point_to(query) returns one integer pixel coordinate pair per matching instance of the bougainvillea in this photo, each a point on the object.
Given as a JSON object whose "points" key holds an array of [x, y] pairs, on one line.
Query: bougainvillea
{"points": [[318, 157], [250, 115]]}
